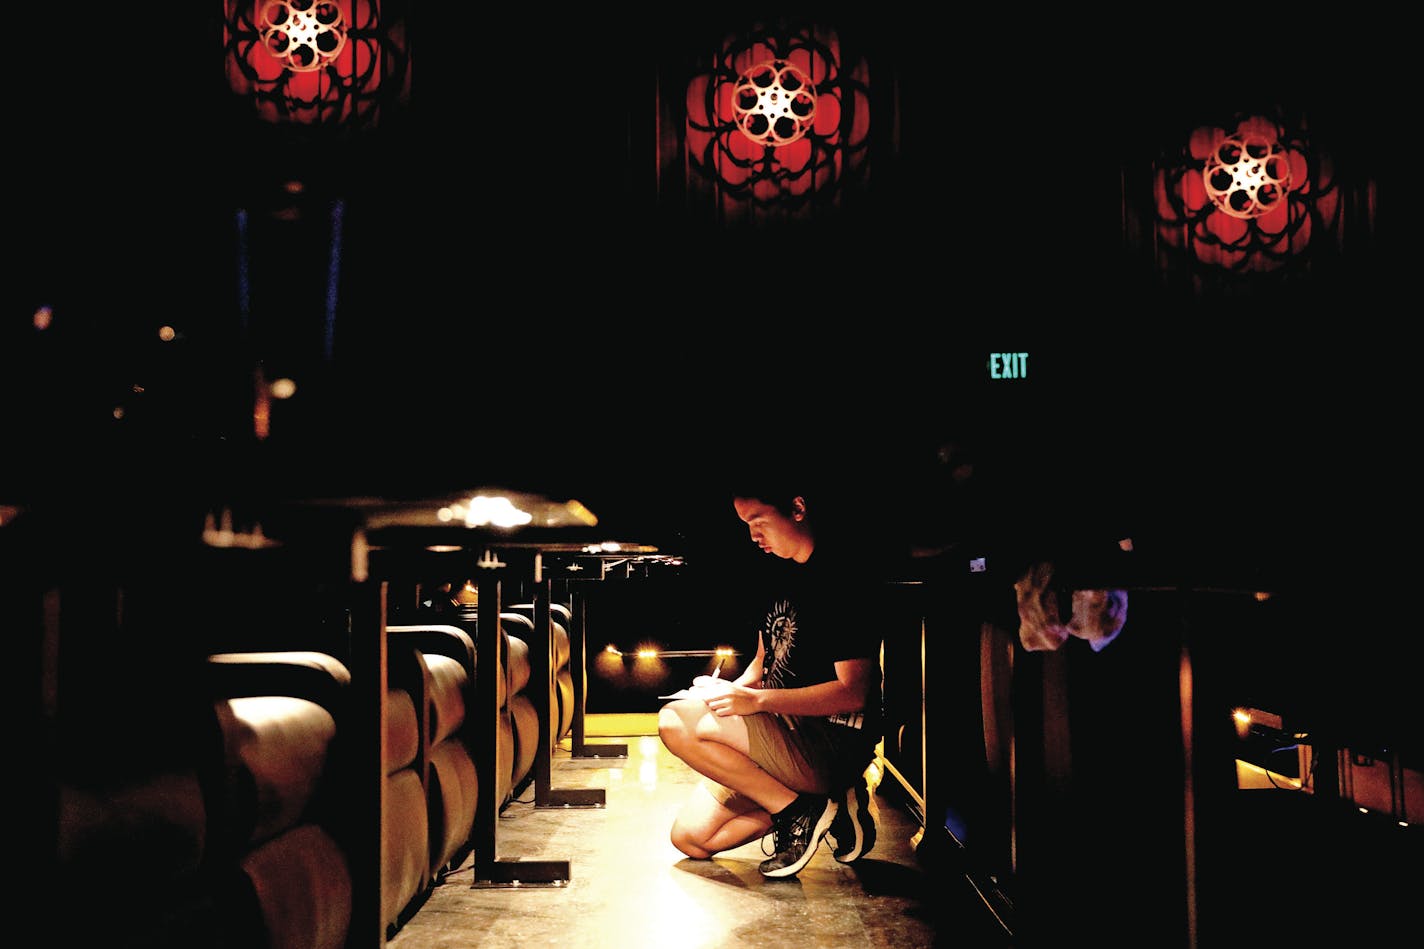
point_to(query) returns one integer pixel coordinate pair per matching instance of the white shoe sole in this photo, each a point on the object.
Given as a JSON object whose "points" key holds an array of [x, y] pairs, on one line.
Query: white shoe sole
{"points": [[853, 811], [822, 825]]}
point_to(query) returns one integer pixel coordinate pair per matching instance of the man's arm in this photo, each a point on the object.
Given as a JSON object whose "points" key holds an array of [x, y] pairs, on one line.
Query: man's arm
{"points": [[846, 693], [751, 675]]}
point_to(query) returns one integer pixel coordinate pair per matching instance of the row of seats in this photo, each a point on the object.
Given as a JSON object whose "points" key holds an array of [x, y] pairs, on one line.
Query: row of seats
{"points": [[254, 839]]}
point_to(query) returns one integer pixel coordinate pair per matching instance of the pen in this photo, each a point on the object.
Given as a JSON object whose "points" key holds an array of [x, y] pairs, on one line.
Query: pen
{"points": [[717, 672]]}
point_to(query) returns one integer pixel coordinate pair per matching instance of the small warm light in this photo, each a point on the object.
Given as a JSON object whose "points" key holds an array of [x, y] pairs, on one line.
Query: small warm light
{"points": [[1403, 823], [482, 511], [118, 412], [167, 333], [610, 648], [610, 546], [261, 404], [1262, 596], [283, 388], [724, 652], [294, 187], [1364, 810], [219, 532], [650, 670], [608, 665], [44, 316], [261, 416], [1242, 719], [443, 548], [468, 595]]}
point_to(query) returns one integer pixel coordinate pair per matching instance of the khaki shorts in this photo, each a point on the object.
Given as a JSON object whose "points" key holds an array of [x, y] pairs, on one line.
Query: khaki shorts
{"points": [[807, 755]]}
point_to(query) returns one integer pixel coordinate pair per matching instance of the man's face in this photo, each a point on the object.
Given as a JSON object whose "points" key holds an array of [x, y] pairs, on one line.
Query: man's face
{"points": [[771, 530]]}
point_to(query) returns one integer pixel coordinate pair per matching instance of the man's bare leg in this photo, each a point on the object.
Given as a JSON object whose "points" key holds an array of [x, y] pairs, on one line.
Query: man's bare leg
{"points": [[705, 826], [717, 748]]}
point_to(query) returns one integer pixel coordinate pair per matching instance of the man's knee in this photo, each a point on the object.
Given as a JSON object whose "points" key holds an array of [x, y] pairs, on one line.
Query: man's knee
{"points": [[687, 843], [671, 729]]}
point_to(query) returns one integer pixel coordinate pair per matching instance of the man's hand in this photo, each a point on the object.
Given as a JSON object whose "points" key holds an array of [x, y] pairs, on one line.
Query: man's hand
{"points": [[726, 698]]}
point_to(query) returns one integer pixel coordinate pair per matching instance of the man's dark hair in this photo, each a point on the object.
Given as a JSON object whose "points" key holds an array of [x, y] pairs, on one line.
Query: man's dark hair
{"points": [[775, 481], [771, 490]]}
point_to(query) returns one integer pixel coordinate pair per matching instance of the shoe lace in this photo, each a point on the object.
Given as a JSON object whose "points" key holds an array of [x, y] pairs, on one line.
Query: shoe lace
{"points": [[784, 834]]}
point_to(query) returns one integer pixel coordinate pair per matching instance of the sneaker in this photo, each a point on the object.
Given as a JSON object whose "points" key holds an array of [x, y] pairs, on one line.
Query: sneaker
{"points": [[798, 831], [853, 830]]}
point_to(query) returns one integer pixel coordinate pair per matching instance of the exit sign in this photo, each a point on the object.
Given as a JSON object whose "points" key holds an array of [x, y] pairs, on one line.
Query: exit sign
{"points": [[1008, 365]]}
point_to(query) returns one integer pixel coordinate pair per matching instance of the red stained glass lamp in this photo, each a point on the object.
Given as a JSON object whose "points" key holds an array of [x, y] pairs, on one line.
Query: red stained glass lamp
{"points": [[318, 62], [1251, 197]]}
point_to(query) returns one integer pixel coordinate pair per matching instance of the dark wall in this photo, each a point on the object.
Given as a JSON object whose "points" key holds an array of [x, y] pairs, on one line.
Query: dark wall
{"points": [[523, 301]]}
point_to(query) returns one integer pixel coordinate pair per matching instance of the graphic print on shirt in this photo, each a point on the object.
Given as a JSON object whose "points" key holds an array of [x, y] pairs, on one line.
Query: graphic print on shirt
{"points": [[779, 633]]}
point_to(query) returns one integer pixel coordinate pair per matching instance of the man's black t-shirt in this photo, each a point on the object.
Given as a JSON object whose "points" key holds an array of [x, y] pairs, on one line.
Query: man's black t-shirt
{"points": [[810, 616]]}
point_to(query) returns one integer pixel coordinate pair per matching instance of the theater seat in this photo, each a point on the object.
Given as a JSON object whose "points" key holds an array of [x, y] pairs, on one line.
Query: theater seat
{"points": [[236, 838], [519, 714], [560, 619], [275, 811], [452, 781], [405, 834]]}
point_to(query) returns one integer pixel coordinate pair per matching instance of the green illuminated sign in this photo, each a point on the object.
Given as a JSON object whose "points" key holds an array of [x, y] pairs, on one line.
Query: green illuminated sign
{"points": [[1008, 365]]}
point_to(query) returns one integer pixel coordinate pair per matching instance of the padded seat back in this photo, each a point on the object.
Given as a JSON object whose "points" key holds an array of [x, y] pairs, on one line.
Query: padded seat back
{"points": [[452, 788]]}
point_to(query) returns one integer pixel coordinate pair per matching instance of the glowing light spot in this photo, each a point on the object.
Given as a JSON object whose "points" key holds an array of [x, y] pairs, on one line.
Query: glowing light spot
{"points": [[481, 511], [1248, 174], [774, 102], [283, 388], [1242, 720], [303, 36], [167, 334], [43, 318]]}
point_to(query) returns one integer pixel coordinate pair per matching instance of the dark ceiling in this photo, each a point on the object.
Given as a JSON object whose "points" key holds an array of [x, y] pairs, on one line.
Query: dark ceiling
{"points": [[515, 307]]}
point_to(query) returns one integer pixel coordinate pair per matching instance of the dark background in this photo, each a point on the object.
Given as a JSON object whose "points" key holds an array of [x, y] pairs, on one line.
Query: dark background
{"points": [[521, 304]]}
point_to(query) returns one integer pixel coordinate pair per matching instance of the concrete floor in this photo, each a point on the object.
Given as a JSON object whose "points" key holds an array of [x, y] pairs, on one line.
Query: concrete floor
{"points": [[629, 888]]}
